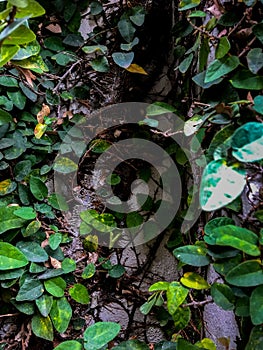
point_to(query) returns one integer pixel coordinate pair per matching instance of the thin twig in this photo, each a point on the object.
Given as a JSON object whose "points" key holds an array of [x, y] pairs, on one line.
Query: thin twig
{"points": [[65, 75], [10, 315], [198, 303]]}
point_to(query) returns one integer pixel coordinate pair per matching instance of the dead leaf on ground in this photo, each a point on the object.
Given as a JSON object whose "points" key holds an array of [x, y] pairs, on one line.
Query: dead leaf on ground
{"points": [[28, 75], [55, 263], [54, 28], [44, 112]]}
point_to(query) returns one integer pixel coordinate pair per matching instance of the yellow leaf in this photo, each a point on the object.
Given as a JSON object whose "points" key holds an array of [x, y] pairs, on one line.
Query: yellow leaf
{"points": [[39, 130], [135, 68], [6, 186]]}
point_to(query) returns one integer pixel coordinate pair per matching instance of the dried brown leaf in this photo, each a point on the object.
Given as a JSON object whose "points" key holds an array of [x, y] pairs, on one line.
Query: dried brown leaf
{"points": [[44, 112], [54, 28], [55, 263]]}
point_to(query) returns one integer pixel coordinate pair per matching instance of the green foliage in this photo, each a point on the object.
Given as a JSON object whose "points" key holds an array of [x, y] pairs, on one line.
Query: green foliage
{"points": [[99, 334]]}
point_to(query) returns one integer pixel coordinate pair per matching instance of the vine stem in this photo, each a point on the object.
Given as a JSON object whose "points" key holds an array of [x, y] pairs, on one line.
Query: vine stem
{"points": [[198, 303], [65, 75]]}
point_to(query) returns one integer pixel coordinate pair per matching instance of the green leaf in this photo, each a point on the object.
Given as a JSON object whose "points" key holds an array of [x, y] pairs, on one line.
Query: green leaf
{"points": [[126, 29], [65, 165], [255, 341], [35, 268], [38, 188], [176, 295], [11, 257], [55, 240], [182, 344], [188, 4], [26, 213], [236, 237], [181, 318], [129, 46], [134, 219], [100, 64], [61, 314], [18, 3], [220, 137], [44, 304], [31, 228], [193, 124], [138, 15], [20, 36], [255, 60], [33, 9], [159, 286], [31, 289], [99, 334], [159, 108], [223, 296], [95, 8], [246, 274], [31, 49], [55, 286], [244, 79], [54, 43], [220, 185], [68, 265], [242, 307], [199, 79], [256, 305], [258, 104], [34, 63], [258, 31], [122, 59], [217, 222], [9, 29], [195, 281], [197, 13], [33, 251], [203, 53], [147, 306], [58, 202], [42, 327], [5, 117], [131, 345], [116, 271], [69, 345], [206, 343], [8, 81], [219, 67], [185, 64], [79, 293], [84, 229], [22, 169], [223, 47], [247, 142], [24, 307], [113, 179], [11, 274], [153, 123], [64, 58], [52, 98], [89, 271], [7, 52], [194, 255], [95, 48]]}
